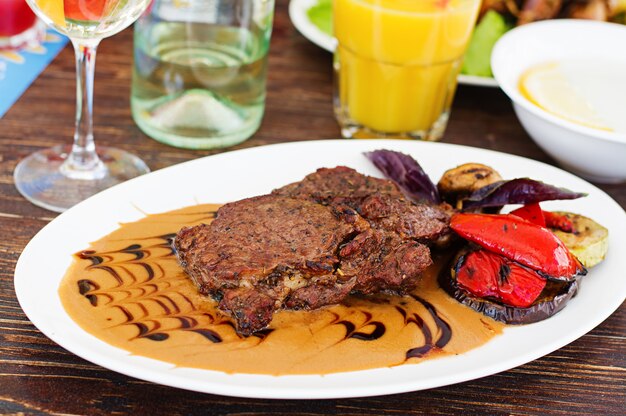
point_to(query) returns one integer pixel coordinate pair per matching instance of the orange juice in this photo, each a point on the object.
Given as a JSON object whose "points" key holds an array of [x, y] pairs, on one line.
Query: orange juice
{"points": [[396, 64]]}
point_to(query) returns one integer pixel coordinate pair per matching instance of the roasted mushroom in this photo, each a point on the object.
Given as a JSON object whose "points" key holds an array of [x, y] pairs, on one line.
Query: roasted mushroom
{"points": [[460, 182]]}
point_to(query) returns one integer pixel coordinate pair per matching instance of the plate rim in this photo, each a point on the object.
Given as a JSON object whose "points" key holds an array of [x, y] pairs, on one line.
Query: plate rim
{"points": [[297, 391], [298, 16]]}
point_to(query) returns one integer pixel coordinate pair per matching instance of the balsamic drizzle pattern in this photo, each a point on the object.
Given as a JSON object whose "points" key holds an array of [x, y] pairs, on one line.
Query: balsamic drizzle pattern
{"points": [[135, 294]]}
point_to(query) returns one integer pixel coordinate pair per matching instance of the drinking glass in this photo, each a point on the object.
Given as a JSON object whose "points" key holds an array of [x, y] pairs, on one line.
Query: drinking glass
{"points": [[19, 27], [396, 65], [200, 69], [59, 177]]}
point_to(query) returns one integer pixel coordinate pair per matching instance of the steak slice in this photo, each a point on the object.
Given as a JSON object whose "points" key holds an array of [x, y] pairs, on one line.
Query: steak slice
{"points": [[260, 249], [273, 251], [381, 261], [380, 201], [328, 184], [252, 239]]}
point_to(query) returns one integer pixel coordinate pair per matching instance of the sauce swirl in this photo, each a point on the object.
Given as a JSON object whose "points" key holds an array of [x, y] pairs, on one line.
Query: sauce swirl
{"points": [[128, 290]]}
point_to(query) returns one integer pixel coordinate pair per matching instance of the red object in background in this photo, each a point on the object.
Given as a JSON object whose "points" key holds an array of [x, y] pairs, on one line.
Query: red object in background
{"points": [[15, 17], [86, 10]]}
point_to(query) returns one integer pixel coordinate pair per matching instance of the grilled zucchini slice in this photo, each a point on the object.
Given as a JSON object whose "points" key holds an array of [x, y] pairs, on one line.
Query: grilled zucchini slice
{"points": [[589, 241]]}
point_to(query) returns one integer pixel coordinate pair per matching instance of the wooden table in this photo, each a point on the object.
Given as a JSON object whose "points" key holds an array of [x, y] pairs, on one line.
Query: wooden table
{"points": [[39, 377]]}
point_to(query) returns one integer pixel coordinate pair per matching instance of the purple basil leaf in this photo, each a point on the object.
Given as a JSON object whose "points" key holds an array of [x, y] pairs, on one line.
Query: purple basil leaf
{"points": [[517, 191], [406, 173]]}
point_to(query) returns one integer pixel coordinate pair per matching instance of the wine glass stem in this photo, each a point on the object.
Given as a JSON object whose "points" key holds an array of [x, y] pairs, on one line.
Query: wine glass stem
{"points": [[83, 161]]}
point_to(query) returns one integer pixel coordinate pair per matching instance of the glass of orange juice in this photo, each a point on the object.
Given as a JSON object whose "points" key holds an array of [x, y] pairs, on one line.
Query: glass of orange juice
{"points": [[396, 65]]}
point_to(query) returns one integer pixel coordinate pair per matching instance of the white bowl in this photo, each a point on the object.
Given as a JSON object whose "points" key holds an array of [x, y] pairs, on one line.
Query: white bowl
{"points": [[594, 154]]}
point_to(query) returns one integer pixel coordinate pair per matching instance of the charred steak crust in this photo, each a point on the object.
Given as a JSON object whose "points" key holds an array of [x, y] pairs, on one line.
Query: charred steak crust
{"points": [[259, 250], [327, 184], [252, 240], [309, 244], [379, 201]]}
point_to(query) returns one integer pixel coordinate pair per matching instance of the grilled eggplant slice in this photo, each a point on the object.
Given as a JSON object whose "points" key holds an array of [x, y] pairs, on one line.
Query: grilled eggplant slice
{"points": [[551, 300]]}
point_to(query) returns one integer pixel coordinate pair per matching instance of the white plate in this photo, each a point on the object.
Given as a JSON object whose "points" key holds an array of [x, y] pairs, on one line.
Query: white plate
{"points": [[298, 15], [233, 175]]}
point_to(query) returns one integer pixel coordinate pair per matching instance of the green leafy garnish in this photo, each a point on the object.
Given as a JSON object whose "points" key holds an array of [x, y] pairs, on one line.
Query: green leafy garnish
{"points": [[321, 15], [487, 32]]}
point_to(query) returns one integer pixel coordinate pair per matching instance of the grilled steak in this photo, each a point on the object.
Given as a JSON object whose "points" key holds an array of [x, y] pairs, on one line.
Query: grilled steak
{"points": [[308, 245], [379, 201]]}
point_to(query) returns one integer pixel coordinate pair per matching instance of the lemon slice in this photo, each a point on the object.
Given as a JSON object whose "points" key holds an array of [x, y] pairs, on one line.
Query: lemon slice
{"points": [[548, 87]]}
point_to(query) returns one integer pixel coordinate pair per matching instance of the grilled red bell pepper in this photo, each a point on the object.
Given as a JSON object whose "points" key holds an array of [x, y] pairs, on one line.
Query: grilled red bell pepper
{"points": [[489, 275], [520, 240], [532, 213], [558, 221]]}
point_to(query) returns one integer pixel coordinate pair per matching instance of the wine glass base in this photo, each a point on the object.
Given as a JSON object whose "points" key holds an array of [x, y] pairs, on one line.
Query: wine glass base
{"points": [[39, 177]]}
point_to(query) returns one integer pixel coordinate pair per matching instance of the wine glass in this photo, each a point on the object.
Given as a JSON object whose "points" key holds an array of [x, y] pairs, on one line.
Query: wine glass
{"points": [[59, 177]]}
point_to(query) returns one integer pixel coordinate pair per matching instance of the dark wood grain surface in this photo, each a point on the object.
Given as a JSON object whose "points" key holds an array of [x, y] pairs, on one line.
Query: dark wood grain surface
{"points": [[39, 377]]}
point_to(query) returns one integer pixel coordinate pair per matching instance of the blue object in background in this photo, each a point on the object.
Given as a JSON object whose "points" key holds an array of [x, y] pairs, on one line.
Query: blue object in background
{"points": [[19, 69]]}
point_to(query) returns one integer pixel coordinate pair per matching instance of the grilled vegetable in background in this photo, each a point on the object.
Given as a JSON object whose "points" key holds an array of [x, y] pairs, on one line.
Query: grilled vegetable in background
{"points": [[486, 33], [321, 15], [533, 10], [525, 11], [498, 16]]}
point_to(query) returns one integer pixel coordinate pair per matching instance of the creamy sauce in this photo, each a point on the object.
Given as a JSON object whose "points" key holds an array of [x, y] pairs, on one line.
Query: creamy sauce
{"points": [[129, 290]]}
